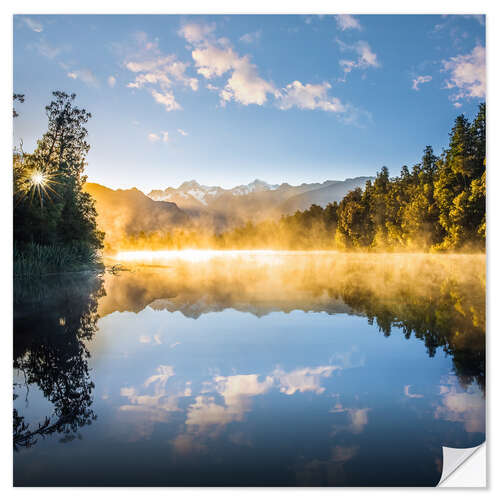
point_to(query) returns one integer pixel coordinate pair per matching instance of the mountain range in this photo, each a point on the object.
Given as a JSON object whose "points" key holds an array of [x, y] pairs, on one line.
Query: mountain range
{"points": [[127, 212], [255, 201]]}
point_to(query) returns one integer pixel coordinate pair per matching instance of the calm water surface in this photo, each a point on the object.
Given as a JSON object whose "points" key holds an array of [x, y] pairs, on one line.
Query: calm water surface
{"points": [[312, 369]]}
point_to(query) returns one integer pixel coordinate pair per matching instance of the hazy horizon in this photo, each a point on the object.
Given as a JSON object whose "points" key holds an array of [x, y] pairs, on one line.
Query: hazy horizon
{"points": [[227, 185]]}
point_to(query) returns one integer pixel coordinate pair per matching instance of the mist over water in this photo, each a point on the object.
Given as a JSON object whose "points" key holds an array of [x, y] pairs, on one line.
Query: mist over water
{"points": [[251, 368]]}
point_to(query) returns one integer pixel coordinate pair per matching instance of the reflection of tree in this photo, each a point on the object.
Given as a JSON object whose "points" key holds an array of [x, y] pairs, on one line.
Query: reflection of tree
{"points": [[52, 321], [440, 299], [443, 308]]}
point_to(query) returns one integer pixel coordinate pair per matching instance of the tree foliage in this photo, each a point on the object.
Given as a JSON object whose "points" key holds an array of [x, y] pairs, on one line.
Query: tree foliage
{"points": [[50, 206]]}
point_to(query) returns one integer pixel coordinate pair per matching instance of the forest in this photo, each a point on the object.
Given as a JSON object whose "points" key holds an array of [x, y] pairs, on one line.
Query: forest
{"points": [[439, 205], [54, 218]]}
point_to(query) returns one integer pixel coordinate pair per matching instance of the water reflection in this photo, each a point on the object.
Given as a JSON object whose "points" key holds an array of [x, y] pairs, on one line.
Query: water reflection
{"points": [[438, 299], [277, 370], [53, 319]]}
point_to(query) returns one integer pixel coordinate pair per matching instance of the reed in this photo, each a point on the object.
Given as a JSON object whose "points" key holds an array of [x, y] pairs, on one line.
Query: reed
{"points": [[34, 259]]}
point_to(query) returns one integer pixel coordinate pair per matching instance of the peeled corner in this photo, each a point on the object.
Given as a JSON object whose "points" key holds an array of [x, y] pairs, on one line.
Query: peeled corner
{"points": [[464, 467]]}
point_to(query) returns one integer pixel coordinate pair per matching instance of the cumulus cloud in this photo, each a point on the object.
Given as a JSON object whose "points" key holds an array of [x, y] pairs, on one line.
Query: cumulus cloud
{"points": [[244, 84], [153, 137], [309, 96], [182, 132], [234, 76], [347, 22], [158, 72], [419, 80], [33, 24], [467, 74], [196, 32], [111, 81]]}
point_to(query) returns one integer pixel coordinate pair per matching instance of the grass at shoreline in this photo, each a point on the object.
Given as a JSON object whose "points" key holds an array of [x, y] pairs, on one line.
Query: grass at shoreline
{"points": [[36, 260]]}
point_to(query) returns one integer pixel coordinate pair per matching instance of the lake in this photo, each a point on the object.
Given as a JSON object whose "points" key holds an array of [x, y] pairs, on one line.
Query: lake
{"points": [[249, 368]]}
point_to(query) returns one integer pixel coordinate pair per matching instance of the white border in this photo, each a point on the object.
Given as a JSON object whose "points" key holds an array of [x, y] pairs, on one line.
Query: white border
{"points": [[8, 8]]}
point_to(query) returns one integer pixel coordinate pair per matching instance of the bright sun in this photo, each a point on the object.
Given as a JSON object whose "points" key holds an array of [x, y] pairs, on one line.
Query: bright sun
{"points": [[37, 178]]}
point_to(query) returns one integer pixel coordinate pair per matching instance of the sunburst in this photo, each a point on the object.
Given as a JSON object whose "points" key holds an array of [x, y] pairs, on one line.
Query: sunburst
{"points": [[38, 185]]}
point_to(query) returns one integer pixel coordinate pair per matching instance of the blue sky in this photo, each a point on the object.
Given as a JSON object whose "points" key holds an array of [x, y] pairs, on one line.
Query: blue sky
{"points": [[227, 99]]}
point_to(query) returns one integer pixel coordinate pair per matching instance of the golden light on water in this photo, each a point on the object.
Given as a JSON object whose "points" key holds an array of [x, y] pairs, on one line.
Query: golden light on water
{"points": [[192, 255]]}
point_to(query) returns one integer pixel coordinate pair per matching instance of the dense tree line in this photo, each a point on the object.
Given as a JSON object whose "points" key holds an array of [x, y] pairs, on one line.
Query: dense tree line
{"points": [[54, 219], [438, 205]]}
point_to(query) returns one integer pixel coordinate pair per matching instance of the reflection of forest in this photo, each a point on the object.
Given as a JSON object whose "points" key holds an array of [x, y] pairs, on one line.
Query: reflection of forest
{"points": [[438, 298], [52, 320]]}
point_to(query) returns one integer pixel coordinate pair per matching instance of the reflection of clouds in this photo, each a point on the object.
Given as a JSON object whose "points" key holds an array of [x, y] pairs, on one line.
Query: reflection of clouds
{"points": [[146, 409], [409, 394], [147, 339], [459, 405], [305, 379], [205, 412], [357, 418], [219, 401], [237, 391]]}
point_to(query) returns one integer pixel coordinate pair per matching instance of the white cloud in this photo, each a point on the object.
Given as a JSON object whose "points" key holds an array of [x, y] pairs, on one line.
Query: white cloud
{"points": [[182, 132], [158, 72], [309, 96], [213, 61], [33, 25], [244, 85], [153, 137], [251, 37], [346, 22], [216, 58], [167, 99], [419, 80], [111, 81], [85, 75], [366, 57], [467, 74], [195, 33]]}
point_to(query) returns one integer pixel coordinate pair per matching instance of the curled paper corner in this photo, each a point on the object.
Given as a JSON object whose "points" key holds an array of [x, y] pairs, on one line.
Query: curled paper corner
{"points": [[458, 471]]}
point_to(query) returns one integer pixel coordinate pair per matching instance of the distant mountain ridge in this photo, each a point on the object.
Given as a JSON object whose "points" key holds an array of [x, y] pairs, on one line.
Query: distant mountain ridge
{"points": [[254, 201], [126, 212], [129, 212]]}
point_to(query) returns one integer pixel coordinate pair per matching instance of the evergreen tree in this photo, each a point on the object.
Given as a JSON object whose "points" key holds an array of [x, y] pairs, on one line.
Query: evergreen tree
{"points": [[50, 206]]}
